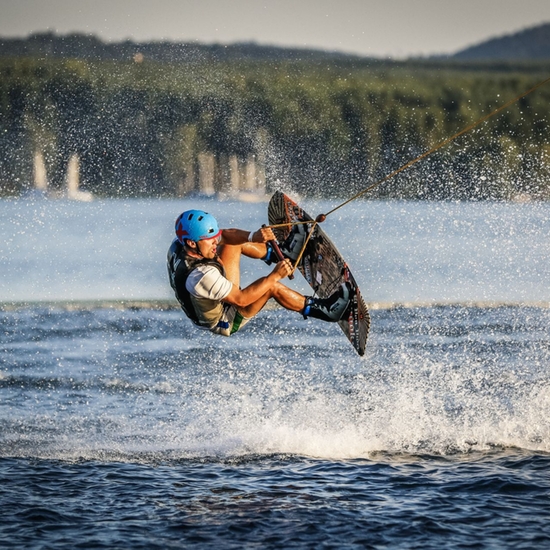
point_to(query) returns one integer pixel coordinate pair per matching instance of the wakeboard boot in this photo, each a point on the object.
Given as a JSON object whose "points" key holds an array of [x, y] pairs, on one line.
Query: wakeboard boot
{"points": [[330, 309], [291, 247]]}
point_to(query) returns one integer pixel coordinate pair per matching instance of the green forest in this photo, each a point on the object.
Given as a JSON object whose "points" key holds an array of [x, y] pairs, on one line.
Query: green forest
{"points": [[323, 128]]}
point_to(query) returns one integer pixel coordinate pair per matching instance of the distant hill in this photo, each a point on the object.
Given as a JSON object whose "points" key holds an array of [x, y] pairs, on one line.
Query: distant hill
{"points": [[528, 44], [90, 47], [531, 44]]}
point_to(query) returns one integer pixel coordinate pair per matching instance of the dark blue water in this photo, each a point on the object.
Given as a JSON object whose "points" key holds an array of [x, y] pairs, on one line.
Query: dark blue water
{"points": [[126, 428], [498, 500]]}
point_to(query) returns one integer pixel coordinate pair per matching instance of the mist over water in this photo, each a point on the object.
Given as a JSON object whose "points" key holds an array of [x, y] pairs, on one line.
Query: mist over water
{"points": [[399, 251], [126, 426]]}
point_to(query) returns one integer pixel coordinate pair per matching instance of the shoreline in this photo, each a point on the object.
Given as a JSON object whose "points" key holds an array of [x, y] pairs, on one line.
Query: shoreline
{"points": [[169, 304]]}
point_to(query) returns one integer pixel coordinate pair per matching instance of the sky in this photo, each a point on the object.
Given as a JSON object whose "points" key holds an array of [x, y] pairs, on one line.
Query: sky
{"points": [[379, 28]]}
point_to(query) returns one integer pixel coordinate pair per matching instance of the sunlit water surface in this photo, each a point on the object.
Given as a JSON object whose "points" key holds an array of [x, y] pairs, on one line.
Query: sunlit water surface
{"points": [[124, 427]]}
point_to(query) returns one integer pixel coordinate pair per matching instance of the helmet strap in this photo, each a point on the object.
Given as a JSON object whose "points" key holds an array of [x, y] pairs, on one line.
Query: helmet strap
{"points": [[195, 249]]}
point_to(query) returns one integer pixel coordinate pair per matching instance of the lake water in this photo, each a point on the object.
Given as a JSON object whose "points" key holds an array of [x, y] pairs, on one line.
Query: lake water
{"points": [[400, 252], [121, 426]]}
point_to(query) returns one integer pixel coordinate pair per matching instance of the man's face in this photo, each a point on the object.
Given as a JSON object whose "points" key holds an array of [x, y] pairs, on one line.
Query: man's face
{"points": [[208, 247]]}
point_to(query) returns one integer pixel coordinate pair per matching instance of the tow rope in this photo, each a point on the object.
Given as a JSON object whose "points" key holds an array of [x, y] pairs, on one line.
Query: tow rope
{"points": [[322, 217]]}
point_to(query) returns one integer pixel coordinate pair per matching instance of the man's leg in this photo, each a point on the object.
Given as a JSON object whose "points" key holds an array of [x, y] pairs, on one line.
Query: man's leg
{"points": [[284, 296], [327, 309], [330, 309], [230, 255]]}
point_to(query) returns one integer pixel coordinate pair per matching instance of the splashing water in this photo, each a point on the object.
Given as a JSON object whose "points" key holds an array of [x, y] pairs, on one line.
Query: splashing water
{"points": [[436, 380]]}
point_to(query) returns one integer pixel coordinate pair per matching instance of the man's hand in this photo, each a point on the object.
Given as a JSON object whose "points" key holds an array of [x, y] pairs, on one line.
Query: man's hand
{"points": [[283, 269], [263, 235]]}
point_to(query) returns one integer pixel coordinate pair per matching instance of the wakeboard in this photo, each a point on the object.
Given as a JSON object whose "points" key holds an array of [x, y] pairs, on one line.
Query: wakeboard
{"points": [[322, 266]]}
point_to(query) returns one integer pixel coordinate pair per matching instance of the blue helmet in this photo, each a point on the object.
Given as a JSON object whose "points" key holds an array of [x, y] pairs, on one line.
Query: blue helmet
{"points": [[196, 225]]}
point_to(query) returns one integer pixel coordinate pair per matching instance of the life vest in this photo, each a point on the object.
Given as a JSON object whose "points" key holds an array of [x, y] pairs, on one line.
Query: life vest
{"points": [[180, 265]]}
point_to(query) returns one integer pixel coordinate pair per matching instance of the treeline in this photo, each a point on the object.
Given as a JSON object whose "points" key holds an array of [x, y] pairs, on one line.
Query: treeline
{"points": [[322, 128], [89, 47]]}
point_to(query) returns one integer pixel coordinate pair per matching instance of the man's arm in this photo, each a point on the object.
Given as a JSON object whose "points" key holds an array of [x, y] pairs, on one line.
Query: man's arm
{"points": [[253, 292], [240, 236]]}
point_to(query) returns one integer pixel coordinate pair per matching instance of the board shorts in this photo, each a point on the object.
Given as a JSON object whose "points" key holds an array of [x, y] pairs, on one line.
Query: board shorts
{"points": [[230, 322]]}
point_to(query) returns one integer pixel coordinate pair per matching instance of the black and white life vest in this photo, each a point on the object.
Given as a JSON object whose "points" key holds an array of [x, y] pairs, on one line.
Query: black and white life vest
{"points": [[180, 265]]}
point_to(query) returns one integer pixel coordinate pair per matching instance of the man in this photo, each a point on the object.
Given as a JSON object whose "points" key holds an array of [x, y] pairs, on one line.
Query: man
{"points": [[204, 271]]}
